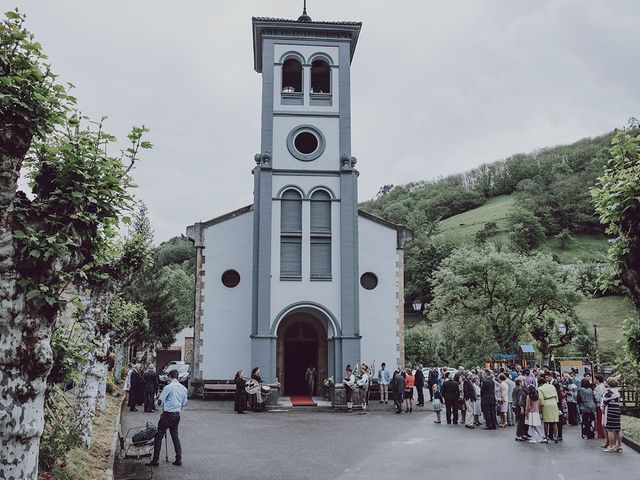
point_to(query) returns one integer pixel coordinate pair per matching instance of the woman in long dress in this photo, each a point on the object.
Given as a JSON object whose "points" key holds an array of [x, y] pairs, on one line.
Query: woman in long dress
{"points": [[532, 413], [612, 413], [503, 403], [257, 401], [550, 414], [477, 412], [241, 401]]}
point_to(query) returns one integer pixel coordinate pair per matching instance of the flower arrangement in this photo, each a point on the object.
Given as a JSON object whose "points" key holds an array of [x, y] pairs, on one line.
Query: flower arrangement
{"points": [[329, 382]]}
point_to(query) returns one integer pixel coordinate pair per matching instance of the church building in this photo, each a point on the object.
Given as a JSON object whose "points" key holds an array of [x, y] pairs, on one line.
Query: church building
{"points": [[301, 277]]}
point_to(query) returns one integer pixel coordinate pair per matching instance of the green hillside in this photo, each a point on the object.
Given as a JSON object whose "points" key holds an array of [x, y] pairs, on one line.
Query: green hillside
{"points": [[461, 228], [607, 313]]}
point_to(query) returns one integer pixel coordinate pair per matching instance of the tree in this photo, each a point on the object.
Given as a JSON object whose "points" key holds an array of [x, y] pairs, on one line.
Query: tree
{"points": [[617, 202], [503, 297], [420, 346], [526, 231], [101, 285], [551, 319], [50, 240]]}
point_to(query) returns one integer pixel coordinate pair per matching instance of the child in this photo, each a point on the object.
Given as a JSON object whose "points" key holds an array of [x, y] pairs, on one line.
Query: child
{"points": [[532, 413], [437, 402]]}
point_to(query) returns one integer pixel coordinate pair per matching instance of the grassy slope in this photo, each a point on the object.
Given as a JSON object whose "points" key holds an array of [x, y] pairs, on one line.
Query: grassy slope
{"points": [[461, 228], [608, 313]]}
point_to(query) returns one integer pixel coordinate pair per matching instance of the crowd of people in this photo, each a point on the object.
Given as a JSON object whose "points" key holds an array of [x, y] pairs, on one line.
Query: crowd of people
{"points": [[537, 401], [141, 387]]}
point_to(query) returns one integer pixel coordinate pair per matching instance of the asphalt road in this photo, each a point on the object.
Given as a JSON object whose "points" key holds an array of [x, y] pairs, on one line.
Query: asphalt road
{"points": [[310, 444]]}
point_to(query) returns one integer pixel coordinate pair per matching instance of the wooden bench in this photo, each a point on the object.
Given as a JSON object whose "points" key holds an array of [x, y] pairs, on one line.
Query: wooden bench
{"points": [[220, 389]]}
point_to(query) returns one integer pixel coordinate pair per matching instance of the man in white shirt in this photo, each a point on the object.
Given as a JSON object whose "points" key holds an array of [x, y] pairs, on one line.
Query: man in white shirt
{"points": [[383, 380], [173, 400]]}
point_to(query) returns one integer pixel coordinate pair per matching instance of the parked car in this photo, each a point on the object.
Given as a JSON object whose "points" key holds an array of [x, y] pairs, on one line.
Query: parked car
{"points": [[184, 372]]}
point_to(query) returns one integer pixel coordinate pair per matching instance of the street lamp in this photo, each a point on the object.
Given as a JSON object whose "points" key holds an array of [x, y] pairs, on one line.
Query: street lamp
{"points": [[562, 329], [417, 305]]}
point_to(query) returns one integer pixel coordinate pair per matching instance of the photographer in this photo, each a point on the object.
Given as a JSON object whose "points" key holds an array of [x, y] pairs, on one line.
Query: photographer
{"points": [[173, 399]]}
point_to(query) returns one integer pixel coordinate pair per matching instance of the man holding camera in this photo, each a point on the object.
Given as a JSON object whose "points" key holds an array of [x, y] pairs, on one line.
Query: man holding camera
{"points": [[173, 399]]}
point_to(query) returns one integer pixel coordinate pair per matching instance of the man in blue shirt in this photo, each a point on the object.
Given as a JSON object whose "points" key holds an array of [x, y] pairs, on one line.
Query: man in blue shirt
{"points": [[173, 399]]}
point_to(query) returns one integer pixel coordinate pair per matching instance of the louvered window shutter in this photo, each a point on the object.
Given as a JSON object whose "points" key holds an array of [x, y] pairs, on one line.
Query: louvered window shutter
{"points": [[291, 256], [320, 213], [321, 257], [291, 212]]}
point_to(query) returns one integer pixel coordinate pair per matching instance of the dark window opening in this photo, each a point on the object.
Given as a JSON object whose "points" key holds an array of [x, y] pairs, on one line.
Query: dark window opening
{"points": [[230, 278], [291, 76], [369, 281], [320, 77], [306, 142]]}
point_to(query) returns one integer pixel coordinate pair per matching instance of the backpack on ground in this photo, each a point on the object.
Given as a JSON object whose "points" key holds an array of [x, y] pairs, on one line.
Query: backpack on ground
{"points": [[145, 435]]}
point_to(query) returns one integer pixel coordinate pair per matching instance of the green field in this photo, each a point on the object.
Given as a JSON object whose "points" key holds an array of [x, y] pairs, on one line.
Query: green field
{"points": [[607, 313], [461, 228]]}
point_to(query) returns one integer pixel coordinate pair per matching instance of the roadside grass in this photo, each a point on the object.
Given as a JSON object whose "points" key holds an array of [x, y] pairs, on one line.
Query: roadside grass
{"points": [[631, 427], [85, 463]]}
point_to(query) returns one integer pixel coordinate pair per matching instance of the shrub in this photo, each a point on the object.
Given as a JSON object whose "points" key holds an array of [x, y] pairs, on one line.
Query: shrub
{"points": [[111, 384]]}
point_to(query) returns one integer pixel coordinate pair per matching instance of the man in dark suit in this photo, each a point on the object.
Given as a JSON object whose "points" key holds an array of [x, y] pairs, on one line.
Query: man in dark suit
{"points": [[419, 384], [136, 396], [451, 395], [398, 386], [488, 400], [151, 386]]}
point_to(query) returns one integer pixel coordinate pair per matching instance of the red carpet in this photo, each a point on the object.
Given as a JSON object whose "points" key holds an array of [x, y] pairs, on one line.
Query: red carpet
{"points": [[302, 401]]}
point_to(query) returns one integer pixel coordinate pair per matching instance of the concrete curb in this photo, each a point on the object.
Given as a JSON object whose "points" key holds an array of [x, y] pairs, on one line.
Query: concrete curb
{"points": [[108, 473], [631, 443]]}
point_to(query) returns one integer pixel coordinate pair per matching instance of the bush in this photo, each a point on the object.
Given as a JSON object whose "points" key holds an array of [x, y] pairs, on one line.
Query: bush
{"points": [[111, 384], [58, 437]]}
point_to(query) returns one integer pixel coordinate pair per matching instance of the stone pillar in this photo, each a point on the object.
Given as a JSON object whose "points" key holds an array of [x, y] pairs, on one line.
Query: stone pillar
{"points": [[262, 350]]}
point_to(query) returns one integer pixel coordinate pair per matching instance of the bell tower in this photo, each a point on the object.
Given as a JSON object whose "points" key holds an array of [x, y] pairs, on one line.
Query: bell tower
{"points": [[305, 230]]}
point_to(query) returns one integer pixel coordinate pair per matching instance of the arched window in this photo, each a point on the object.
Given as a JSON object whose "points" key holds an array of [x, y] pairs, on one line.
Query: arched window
{"points": [[291, 76], [320, 235], [291, 235], [320, 77]]}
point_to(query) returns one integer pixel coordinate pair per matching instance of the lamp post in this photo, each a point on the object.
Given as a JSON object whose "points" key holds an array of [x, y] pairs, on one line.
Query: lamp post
{"points": [[417, 305]]}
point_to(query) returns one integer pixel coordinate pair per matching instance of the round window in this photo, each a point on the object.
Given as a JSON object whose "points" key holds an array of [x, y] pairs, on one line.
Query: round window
{"points": [[230, 278], [369, 281], [306, 142]]}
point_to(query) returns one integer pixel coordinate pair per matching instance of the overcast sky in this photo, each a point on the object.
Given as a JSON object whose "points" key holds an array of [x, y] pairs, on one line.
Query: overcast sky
{"points": [[438, 87]]}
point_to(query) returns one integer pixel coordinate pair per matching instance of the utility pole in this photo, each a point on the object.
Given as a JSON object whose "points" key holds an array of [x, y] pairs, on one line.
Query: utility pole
{"points": [[597, 347]]}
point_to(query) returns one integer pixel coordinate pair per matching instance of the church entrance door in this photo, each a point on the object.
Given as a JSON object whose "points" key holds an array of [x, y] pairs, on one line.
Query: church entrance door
{"points": [[301, 344]]}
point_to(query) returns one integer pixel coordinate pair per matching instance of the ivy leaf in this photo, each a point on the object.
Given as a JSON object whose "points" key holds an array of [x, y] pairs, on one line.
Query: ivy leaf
{"points": [[32, 294]]}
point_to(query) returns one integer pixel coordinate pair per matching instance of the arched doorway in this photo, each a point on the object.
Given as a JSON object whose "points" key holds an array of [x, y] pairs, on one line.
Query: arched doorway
{"points": [[302, 343]]}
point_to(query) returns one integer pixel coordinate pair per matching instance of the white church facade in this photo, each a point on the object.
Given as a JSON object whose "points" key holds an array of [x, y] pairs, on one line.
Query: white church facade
{"points": [[301, 277]]}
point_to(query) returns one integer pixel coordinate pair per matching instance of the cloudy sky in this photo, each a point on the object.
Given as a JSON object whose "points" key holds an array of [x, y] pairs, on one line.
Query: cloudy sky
{"points": [[437, 86]]}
